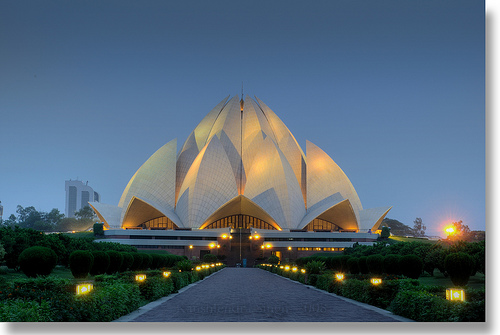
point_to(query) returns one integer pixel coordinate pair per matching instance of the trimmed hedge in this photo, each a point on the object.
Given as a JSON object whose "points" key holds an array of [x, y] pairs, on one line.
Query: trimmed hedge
{"points": [[115, 261], [35, 261], [391, 264], [128, 260], [411, 266], [101, 263], [80, 263], [375, 264], [459, 266]]}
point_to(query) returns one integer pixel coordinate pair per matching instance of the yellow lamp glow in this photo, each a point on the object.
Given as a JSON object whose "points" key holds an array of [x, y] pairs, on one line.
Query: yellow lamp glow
{"points": [[84, 288], [198, 268], [212, 245], [294, 269], [281, 266], [376, 281], [455, 294], [339, 276], [262, 246], [256, 237], [218, 245], [289, 248], [166, 274], [250, 237], [303, 270], [212, 265], [190, 247], [230, 237], [224, 236], [268, 246], [287, 268], [140, 278]]}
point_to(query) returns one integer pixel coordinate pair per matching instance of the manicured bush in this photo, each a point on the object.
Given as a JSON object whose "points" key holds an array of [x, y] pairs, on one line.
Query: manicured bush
{"points": [[155, 287], [98, 229], [363, 267], [137, 263], [101, 263], [315, 267], [156, 263], [375, 264], [19, 310], [459, 266], [184, 265], [209, 258], [147, 259], [411, 266], [80, 263], [180, 279], [391, 264], [420, 306], [36, 261], [128, 260], [273, 259], [352, 265], [115, 261], [343, 260]]}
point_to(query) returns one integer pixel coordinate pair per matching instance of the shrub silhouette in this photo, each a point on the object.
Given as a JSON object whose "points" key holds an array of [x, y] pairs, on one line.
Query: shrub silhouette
{"points": [[459, 266], [391, 264], [101, 263], [80, 263], [115, 261], [411, 266], [35, 261]]}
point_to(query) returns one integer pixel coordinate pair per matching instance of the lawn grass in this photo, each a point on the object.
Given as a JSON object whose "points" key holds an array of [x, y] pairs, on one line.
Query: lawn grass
{"points": [[10, 274], [411, 239], [476, 282]]}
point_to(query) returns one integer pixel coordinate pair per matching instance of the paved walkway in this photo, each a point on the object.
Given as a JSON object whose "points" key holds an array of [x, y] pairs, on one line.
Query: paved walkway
{"points": [[250, 294]]}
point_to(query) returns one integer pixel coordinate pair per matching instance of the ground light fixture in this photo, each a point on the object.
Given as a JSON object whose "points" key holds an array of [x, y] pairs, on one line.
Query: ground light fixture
{"points": [[140, 278], [83, 288], [166, 274], [455, 294], [303, 270], [376, 281], [198, 268], [190, 247], [294, 269], [339, 276], [289, 248], [287, 268]]}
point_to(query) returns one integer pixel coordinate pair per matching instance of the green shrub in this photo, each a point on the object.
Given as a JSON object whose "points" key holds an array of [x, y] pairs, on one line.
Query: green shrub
{"points": [[323, 281], [115, 261], [36, 261], [156, 263], [363, 267], [459, 266], [19, 310], [375, 264], [184, 265], [147, 259], [355, 289], [411, 266], [420, 306], [391, 264], [343, 261], [352, 265], [137, 263], [273, 259], [101, 263], [80, 263], [209, 258], [98, 229], [128, 260], [315, 267], [311, 278], [154, 288], [180, 279]]}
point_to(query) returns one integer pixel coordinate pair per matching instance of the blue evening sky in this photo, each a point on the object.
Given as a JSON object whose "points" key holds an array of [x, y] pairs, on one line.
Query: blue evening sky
{"points": [[393, 91]]}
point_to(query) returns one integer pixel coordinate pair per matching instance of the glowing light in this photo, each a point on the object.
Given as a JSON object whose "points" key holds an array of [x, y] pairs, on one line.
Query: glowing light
{"points": [[212, 245], [190, 247], [250, 237], [141, 278], [256, 237], [198, 268], [281, 266], [339, 276], [212, 265], [376, 281], [224, 236], [294, 269], [289, 248], [262, 246], [218, 246], [84, 288], [268, 246], [166, 274], [455, 294], [450, 230], [230, 237], [287, 268], [303, 270]]}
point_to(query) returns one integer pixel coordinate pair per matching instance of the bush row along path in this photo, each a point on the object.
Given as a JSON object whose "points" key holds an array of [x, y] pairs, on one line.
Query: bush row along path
{"points": [[250, 294]]}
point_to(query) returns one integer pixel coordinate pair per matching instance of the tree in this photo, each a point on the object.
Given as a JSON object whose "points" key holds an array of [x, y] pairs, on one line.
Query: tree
{"points": [[386, 232], [85, 213], [461, 232], [418, 228]]}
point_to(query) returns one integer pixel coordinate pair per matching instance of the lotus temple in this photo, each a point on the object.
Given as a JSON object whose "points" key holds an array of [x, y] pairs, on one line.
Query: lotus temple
{"points": [[242, 188]]}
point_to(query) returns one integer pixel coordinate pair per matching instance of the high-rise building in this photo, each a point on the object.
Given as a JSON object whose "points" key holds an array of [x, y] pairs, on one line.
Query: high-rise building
{"points": [[78, 196]]}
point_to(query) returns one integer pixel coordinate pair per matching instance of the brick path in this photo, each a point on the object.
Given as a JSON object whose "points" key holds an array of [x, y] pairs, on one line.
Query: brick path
{"points": [[250, 294]]}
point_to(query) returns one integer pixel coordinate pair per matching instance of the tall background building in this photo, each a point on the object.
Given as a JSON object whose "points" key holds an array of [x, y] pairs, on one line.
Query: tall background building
{"points": [[78, 196]]}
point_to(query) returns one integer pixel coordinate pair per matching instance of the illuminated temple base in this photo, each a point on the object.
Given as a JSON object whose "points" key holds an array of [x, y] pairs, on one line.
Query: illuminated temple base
{"points": [[236, 245]]}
